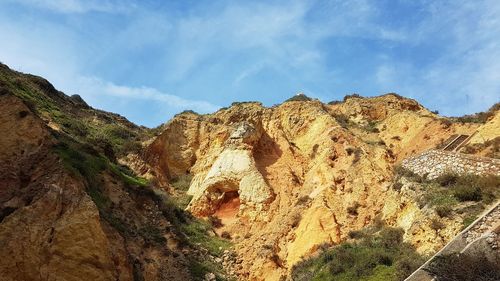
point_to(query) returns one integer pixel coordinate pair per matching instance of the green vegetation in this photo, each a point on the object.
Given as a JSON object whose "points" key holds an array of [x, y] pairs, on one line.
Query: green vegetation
{"points": [[342, 119], [82, 161], [88, 141], [127, 176], [181, 186], [106, 132], [193, 232], [299, 97], [352, 96], [196, 231], [468, 220], [456, 267], [400, 171], [371, 126], [481, 117], [492, 148], [198, 269], [452, 188], [378, 253], [446, 192]]}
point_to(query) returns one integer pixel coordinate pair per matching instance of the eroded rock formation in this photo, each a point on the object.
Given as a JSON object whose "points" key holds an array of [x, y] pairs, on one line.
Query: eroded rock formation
{"points": [[306, 173]]}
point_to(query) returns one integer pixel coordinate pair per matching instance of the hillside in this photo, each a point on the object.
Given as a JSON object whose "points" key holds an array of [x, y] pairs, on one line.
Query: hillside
{"points": [[246, 193], [286, 180], [69, 211]]}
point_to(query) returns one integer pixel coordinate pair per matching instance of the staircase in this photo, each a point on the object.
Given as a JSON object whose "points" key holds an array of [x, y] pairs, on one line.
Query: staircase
{"points": [[455, 142]]}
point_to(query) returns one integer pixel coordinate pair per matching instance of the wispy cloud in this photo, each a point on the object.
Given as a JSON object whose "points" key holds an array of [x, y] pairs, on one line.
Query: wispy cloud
{"points": [[466, 76], [92, 87], [77, 6], [199, 54]]}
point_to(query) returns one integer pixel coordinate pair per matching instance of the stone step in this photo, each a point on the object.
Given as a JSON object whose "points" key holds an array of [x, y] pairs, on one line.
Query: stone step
{"points": [[456, 143]]}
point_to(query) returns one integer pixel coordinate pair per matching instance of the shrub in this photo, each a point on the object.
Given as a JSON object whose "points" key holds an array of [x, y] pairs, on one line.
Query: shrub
{"points": [[447, 179], [455, 267], [467, 221], [152, 234], [480, 117], [378, 254], [357, 155], [131, 146], [342, 119], [215, 221], [352, 96], [407, 173], [446, 123], [467, 193], [371, 127], [181, 182], [397, 186], [491, 148], [447, 191], [406, 265], [356, 234], [390, 236], [476, 188], [196, 235], [73, 126], [333, 102], [444, 211], [436, 224], [299, 97]]}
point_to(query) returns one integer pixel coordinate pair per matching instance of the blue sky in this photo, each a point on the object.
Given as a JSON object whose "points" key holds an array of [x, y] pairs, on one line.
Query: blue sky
{"points": [[148, 60]]}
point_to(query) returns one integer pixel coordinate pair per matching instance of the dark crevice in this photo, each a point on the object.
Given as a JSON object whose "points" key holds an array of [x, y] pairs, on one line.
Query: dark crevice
{"points": [[6, 212]]}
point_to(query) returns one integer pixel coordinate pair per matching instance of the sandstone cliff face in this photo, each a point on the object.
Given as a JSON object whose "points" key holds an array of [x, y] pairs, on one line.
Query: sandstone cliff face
{"points": [[50, 228], [64, 213], [284, 181], [402, 210], [305, 173]]}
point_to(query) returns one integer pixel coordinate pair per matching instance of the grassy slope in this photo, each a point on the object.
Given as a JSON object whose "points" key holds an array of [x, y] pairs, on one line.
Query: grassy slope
{"points": [[451, 195], [376, 253], [89, 139]]}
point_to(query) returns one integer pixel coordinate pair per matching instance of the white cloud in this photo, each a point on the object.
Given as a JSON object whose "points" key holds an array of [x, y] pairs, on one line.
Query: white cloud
{"points": [[466, 76], [229, 42], [57, 58], [91, 86], [283, 34], [252, 70], [77, 6]]}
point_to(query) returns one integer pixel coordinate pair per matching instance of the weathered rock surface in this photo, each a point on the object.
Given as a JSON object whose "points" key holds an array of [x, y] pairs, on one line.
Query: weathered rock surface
{"points": [[306, 173], [284, 180], [50, 228], [56, 224]]}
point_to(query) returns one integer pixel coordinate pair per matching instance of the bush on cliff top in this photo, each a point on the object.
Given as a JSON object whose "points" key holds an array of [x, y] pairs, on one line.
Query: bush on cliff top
{"points": [[299, 97]]}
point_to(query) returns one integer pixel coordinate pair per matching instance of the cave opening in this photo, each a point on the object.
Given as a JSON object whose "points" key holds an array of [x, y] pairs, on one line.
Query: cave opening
{"points": [[228, 207]]}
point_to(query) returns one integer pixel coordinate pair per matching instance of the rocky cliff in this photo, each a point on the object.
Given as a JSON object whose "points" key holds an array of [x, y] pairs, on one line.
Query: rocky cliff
{"points": [[68, 210], [87, 195], [303, 173]]}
